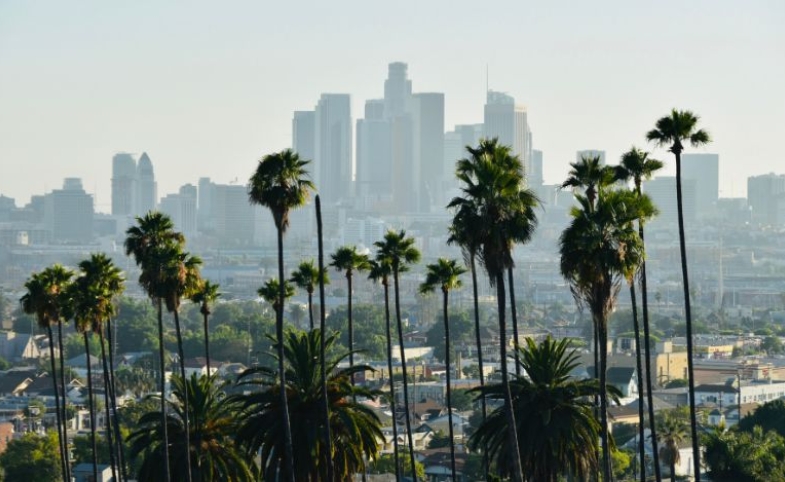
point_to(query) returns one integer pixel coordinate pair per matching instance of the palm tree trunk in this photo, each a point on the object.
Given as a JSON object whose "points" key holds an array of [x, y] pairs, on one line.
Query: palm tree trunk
{"points": [[207, 343], [162, 387], [647, 354], [90, 404], [514, 315], [65, 401], [405, 373], [478, 339], [641, 428], [688, 322], [449, 387], [673, 472], [58, 413], [351, 326], [118, 435], [512, 432], [323, 344], [186, 411], [288, 448], [392, 383], [603, 339], [108, 407], [310, 308]]}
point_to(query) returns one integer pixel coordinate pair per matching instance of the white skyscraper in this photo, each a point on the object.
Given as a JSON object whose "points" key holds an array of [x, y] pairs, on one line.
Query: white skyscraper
{"points": [[509, 122], [333, 169]]}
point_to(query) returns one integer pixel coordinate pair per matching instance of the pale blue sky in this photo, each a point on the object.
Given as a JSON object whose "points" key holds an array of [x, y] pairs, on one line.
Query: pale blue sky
{"points": [[206, 88]]}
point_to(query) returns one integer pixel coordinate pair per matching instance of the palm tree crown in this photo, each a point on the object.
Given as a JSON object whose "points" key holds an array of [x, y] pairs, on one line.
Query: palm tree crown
{"points": [[271, 290], [307, 276], [589, 174], [280, 183], [677, 128], [444, 275], [635, 164]]}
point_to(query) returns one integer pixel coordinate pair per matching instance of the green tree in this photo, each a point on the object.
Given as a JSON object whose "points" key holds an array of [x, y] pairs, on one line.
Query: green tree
{"points": [[46, 297], [557, 430], [280, 183], [32, 457], [745, 456], [398, 251], [355, 428], [306, 277], [445, 275], [216, 455], [386, 464], [599, 249], [205, 296], [673, 131]]}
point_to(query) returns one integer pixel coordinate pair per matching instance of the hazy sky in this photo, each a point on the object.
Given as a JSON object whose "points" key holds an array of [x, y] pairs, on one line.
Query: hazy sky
{"points": [[206, 88]]}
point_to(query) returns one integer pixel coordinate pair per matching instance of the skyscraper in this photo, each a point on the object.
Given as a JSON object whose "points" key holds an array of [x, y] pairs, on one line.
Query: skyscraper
{"points": [[662, 191], [509, 122], [374, 162], [181, 207], [428, 175], [147, 187], [124, 188], [535, 175], [333, 167], [704, 170], [68, 213], [304, 134], [766, 198]]}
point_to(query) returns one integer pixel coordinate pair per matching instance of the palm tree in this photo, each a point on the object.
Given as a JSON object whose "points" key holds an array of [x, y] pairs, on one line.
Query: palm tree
{"points": [[673, 131], [398, 251], [271, 292], [556, 425], [151, 242], [445, 274], [280, 183], [348, 260], [46, 298], [380, 272], [355, 428], [306, 277], [205, 295], [599, 249], [217, 455], [96, 290], [493, 192], [590, 175], [673, 432], [636, 165]]}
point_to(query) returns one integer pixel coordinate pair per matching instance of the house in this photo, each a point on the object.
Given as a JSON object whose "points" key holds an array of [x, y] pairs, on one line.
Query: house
{"points": [[623, 378], [21, 346], [438, 466], [84, 473], [198, 366]]}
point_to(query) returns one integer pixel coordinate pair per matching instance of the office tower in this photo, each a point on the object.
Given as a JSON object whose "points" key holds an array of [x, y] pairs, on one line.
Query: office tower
{"points": [[766, 197], [397, 90], [589, 153], [333, 167], [428, 144], [304, 134], [124, 188], [536, 176], [147, 188], [205, 205], [181, 207], [509, 123], [704, 170], [68, 213], [662, 191], [374, 157], [233, 215]]}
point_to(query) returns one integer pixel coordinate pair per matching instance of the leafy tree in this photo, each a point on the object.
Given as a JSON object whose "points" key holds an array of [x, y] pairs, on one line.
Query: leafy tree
{"points": [[369, 329], [385, 464], [462, 400], [355, 428], [280, 183], [745, 456], [460, 334], [772, 345], [673, 131], [32, 457], [676, 383], [769, 416]]}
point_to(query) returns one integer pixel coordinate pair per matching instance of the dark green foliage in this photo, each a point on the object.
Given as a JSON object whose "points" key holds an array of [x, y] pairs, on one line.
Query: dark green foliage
{"points": [[745, 456], [32, 458], [769, 416]]}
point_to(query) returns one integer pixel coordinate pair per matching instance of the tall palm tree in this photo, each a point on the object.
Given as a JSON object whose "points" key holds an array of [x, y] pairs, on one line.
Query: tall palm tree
{"points": [[599, 249], [206, 295], [636, 165], [556, 425], [306, 277], [398, 251], [271, 292], [463, 233], [674, 130], [673, 432], [348, 260], [98, 286], [355, 428], [445, 275], [280, 183], [589, 175], [151, 242], [46, 297], [217, 455], [493, 190], [380, 272]]}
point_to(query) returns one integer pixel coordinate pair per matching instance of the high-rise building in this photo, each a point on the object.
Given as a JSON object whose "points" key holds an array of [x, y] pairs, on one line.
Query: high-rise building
{"points": [[147, 187], [766, 197], [589, 153], [233, 215], [124, 189], [535, 176], [397, 90], [181, 208], [704, 170], [374, 162], [304, 134], [428, 142], [68, 213], [204, 211], [508, 121], [662, 191], [333, 166]]}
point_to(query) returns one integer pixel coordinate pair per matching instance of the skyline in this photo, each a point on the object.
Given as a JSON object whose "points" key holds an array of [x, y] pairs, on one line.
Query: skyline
{"points": [[208, 91]]}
